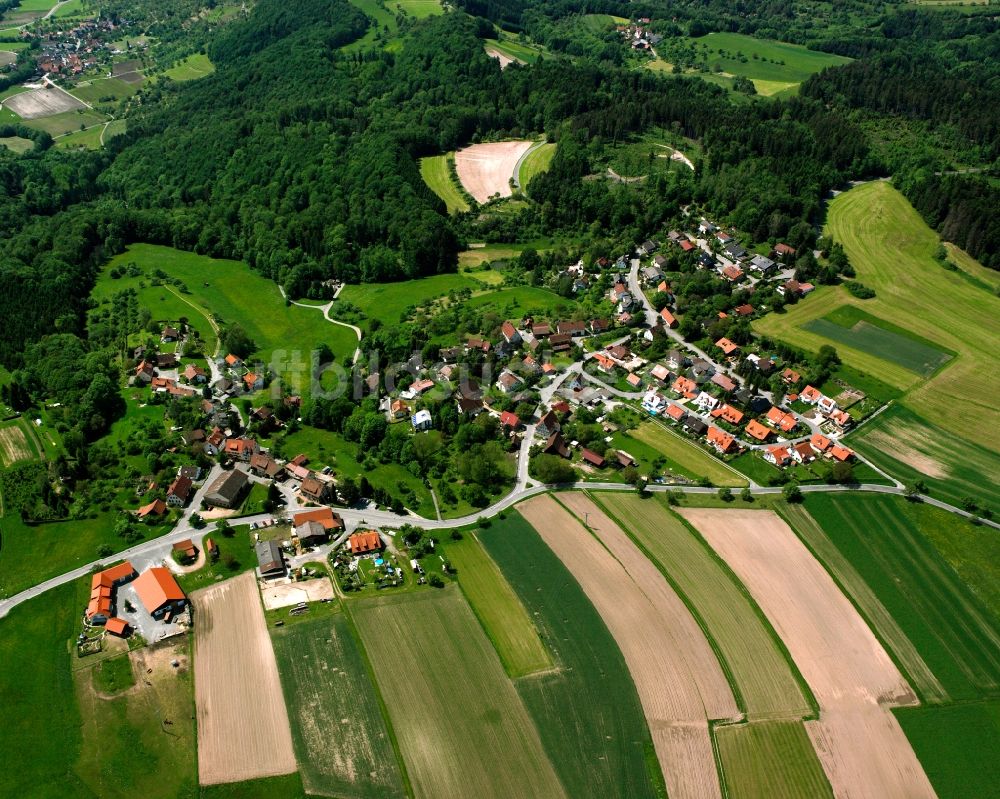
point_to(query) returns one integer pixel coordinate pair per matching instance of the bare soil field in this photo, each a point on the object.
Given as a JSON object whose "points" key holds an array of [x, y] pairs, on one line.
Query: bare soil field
{"points": [[862, 748], [486, 169], [657, 645], [503, 58], [288, 594], [14, 445], [243, 730], [909, 446], [42, 103]]}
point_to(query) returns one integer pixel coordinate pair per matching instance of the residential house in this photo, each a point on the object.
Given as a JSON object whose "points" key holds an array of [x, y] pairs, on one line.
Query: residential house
{"points": [[399, 409], [604, 363], [323, 518], [233, 361], [185, 550], [450, 354], [765, 266], [227, 489], [783, 251], [810, 395], [790, 377], [195, 374], [253, 381], [744, 310], [555, 445], [192, 438], [668, 319], [509, 421], [648, 247], [265, 466], [820, 443], [652, 274], [510, 334], [785, 422], [529, 365], [753, 403], [311, 534], [701, 370], [155, 508], [660, 263], [572, 328], [728, 347], [214, 441], [685, 245], [694, 425], [161, 384], [676, 360], [634, 380], [758, 431], [620, 353], [676, 412], [721, 441], [316, 489], [145, 372], [541, 330], [705, 402], [478, 344], [103, 589], [599, 326], [508, 382], [803, 453], [842, 454], [826, 405], [548, 424], [270, 559], [166, 360], [240, 448], [728, 414], [660, 373], [560, 342], [469, 407], [591, 457], [735, 251], [724, 382], [169, 334], [365, 542], [778, 455], [159, 593], [841, 421], [223, 386], [297, 471], [422, 420], [179, 492], [732, 273], [684, 386]]}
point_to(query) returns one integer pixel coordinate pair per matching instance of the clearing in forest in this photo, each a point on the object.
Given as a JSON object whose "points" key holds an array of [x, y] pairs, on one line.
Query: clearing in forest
{"points": [[861, 746], [243, 730], [462, 729], [676, 675], [485, 170]]}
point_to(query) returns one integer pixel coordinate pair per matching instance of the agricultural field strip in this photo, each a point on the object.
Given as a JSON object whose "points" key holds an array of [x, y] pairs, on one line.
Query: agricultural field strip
{"points": [[486, 169], [688, 455], [452, 707], [861, 746], [15, 445], [341, 737], [761, 670], [436, 173], [882, 343], [243, 728], [661, 658], [872, 610], [504, 619]]}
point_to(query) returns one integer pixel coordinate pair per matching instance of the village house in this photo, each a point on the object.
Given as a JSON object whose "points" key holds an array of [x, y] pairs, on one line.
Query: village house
{"points": [[270, 559], [145, 372], [591, 457], [169, 334], [509, 421], [721, 441], [179, 492], [253, 381], [185, 551], [155, 508], [214, 441], [743, 310], [541, 330], [785, 422], [548, 424], [399, 409], [555, 445], [778, 455], [422, 420], [265, 466], [227, 489], [233, 361], [314, 527], [510, 334], [159, 593], [315, 489], [728, 414], [195, 374], [240, 448], [724, 382], [705, 402], [365, 542], [508, 382], [560, 342], [598, 326], [604, 363], [469, 407], [668, 319], [103, 589], [728, 347], [756, 430], [572, 328]]}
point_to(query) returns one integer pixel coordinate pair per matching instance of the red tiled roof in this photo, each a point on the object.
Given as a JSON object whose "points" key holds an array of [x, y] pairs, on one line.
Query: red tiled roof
{"points": [[720, 439], [117, 626], [508, 419], [592, 457], [325, 516], [364, 542], [729, 414], [756, 430], [156, 587]]}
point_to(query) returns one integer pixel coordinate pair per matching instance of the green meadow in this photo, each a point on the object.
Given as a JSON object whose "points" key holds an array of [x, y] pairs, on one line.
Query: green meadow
{"points": [[388, 301], [436, 173], [535, 162], [193, 67]]}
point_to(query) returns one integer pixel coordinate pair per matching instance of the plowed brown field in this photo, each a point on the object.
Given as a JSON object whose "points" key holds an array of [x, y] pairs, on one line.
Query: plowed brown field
{"points": [[678, 681], [243, 730], [861, 746], [486, 169]]}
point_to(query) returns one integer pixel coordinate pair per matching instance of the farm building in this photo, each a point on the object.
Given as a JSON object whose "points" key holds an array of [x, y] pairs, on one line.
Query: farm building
{"points": [[159, 593], [103, 586], [226, 490], [365, 541], [186, 549], [270, 560], [592, 458], [311, 534], [117, 627], [325, 516], [155, 508]]}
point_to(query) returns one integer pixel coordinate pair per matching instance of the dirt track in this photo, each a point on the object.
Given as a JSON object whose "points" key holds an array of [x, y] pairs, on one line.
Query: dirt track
{"points": [[661, 643], [861, 746], [486, 169], [243, 730]]}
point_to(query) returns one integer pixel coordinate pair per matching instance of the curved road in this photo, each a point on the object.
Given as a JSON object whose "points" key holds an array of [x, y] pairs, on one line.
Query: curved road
{"points": [[325, 309]]}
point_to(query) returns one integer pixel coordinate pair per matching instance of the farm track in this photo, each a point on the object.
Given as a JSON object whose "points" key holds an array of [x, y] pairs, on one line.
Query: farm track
{"points": [[325, 310]]}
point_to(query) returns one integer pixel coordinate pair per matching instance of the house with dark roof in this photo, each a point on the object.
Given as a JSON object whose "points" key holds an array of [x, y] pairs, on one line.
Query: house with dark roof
{"points": [[227, 489], [270, 559], [179, 492], [316, 490], [556, 445]]}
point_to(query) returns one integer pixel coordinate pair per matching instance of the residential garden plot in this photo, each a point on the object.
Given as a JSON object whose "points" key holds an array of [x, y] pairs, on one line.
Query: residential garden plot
{"points": [[437, 175], [863, 750], [485, 170], [587, 712], [461, 728], [499, 610], [954, 633], [341, 739], [42, 103], [676, 700], [15, 444], [692, 460], [243, 730], [869, 334], [958, 746], [911, 448], [104, 90], [758, 666], [770, 759], [67, 122], [892, 250], [418, 9], [139, 741], [878, 616], [7, 57]]}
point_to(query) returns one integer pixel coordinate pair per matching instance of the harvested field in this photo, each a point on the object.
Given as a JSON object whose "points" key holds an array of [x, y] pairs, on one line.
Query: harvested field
{"points": [[679, 682], [861, 746], [462, 729], [340, 735], [503, 58], [243, 730], [14, 445], [283, 596], [486, 169], [41, 103], [757, 664]]}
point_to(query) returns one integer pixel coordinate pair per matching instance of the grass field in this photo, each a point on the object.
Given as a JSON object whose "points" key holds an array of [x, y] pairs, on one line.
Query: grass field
{"points": [[437, 175], [773, 66], [126, 728], [587, 711], [757, 666], [193, 67], [692, 460], [958, 746], [341, 740], [284, 335], [17, 443], [773, 759], [850, 326], [418, 9], [954, 633], [388, 301], [17, 144], [499, 610], [892, 250], [66, 122], [34, 674], [287, 787], [89, 139], [535, 162], [519, 51], [451, 704], [104, 90], [911, 448], [516, 301], [382, 19]]}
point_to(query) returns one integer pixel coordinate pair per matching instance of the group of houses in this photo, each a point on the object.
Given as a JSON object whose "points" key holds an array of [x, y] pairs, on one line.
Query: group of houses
{"points": [[156, 588]]}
